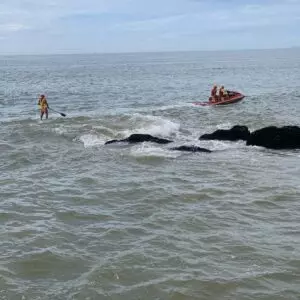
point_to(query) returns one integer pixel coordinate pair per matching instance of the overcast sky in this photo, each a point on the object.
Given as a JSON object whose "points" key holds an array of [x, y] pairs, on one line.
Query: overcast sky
{"points": [[75, 26]]}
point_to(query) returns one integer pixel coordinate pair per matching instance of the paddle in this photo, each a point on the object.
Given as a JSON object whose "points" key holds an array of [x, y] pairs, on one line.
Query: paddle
{"points": [[62, 114]]}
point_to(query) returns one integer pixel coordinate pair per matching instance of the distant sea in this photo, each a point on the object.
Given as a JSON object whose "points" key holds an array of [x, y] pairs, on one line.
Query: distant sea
{"points": [[84, 220]]}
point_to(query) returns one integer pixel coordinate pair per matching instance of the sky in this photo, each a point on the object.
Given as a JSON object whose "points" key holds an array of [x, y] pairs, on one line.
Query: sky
{"points": [[105, 26]]}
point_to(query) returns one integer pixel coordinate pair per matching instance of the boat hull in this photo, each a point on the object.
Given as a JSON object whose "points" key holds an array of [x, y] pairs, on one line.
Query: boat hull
{"points": [[234, 98]]}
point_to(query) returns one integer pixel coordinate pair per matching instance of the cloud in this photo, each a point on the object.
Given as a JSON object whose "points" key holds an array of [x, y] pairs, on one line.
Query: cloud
{"points": [[150, 24], [249, 16], [141, 25], [11, 27]]}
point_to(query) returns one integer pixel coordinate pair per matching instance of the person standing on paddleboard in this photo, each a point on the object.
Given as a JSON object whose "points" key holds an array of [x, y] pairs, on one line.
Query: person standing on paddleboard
{"points": [[43, 104]]}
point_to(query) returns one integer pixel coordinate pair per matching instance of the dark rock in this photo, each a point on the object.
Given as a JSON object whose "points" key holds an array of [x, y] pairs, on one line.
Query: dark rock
{"points": [[191, 149], [139, 138], [287, 137], [235, 133], [111, 142]]}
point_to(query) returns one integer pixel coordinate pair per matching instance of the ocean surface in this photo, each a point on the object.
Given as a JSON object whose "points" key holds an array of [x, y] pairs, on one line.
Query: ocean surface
{"points": [[84, 220]]}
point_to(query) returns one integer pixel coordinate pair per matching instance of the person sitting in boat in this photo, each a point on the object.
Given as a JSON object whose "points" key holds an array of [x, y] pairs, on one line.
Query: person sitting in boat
{"points": [[222, 93], [213, 94]]}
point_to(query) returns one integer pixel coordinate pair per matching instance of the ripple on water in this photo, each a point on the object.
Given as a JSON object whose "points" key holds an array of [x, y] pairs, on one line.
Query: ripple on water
{"points": [[47, 263], [80, 220]]}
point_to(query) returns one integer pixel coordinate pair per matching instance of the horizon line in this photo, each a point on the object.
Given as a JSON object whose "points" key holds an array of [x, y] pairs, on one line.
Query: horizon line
{"points": [[147, 52]]}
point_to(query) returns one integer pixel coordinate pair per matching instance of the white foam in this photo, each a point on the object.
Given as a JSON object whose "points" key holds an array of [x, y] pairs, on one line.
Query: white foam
{"points": [[149, 150], [103, 128], [220, 145], [172, 106], [153, 125], [59, 130], [226, 125], [91, 140]]}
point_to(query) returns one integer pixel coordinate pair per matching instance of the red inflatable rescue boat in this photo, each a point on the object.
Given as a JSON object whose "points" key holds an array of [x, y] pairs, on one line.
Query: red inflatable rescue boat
{"points": [[232, 97]]}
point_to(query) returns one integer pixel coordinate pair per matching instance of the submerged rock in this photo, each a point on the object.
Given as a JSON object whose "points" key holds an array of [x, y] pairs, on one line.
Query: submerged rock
{"points": [[140, 138], [234, 134], [111, 142], [191, 149], [287, 137]]}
